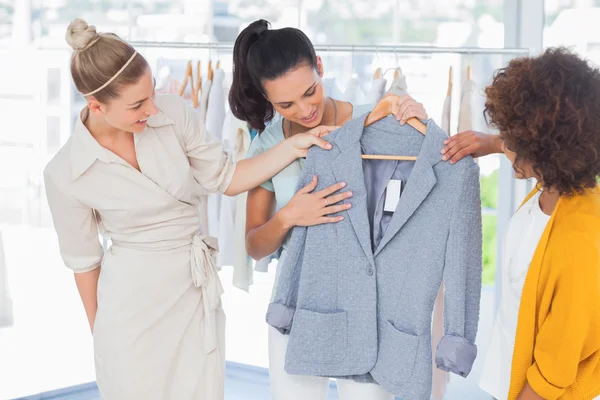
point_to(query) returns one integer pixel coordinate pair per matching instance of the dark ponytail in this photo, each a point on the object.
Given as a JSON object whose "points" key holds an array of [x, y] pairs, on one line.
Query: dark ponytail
{"points": [[261, 54]]}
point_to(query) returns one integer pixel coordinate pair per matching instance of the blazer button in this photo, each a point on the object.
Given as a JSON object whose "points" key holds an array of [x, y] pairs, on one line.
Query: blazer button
{"points": [[370, 271]]}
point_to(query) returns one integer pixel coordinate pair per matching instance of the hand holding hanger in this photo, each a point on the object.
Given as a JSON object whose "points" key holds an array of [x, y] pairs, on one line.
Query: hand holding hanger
{"points": [[407, 107]]}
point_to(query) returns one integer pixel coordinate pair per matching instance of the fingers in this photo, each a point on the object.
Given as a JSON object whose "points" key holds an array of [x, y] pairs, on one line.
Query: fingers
{"points": [[408, 108], [457, 143], [311, 186], [337, 198], [321, 143], [330, 190], [336, 209], [462, 153]]}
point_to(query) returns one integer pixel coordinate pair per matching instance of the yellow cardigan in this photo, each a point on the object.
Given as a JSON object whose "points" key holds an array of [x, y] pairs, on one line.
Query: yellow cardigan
{"points": [[557, 348]]}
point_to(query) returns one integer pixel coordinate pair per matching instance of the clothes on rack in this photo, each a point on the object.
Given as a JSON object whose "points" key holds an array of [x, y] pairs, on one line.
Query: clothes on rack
{"points": [[376, 91], [215, 117], [384, 335], [399, 86], [465, 112], [236, 141], [354, 93]]}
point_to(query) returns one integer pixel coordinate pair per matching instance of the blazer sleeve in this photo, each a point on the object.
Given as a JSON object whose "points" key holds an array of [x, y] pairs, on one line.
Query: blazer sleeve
{"points": [[280, 313], [457, 351]]}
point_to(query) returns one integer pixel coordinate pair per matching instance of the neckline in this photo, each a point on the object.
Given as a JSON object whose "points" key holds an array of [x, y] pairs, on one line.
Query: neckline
{"points": [[335, 115]]}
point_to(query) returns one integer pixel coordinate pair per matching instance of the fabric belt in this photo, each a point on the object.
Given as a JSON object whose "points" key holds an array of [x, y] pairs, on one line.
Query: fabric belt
{"points": [[205, 276]]}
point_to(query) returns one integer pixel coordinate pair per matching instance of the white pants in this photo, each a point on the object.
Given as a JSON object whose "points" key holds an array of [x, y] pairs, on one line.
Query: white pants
{"points": [[299, 387]]}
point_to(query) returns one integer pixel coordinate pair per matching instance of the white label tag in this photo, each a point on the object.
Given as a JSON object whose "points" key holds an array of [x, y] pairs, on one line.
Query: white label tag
{"points": [[392, 195]]}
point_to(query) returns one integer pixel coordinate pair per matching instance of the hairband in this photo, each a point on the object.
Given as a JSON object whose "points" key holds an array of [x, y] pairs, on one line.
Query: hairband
{"points": [[114, 76]]}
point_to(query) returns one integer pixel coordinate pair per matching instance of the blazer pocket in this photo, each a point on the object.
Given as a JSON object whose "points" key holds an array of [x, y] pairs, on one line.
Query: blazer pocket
{"points": [[318, 337], [397, 354]]}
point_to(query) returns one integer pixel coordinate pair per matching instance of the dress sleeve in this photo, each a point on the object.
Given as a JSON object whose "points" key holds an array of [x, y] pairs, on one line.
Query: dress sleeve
{"points": [[76, 227], [213, 167]]}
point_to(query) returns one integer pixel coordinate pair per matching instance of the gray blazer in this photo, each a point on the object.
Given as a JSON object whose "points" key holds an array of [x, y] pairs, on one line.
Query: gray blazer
{"points": [[360, 292]]}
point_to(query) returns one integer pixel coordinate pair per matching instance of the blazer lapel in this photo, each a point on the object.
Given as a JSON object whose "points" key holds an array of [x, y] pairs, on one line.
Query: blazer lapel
{"points": [[347, 167], [421, 182]]}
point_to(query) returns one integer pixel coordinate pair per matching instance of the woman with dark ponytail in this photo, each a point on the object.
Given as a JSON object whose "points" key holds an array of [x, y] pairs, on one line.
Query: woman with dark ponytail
{"points": [[279, 71]]}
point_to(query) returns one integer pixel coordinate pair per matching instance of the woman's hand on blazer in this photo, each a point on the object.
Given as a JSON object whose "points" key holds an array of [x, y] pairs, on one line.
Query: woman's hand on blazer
{"points": [[303, 141], [308, 208], [471, 143]]}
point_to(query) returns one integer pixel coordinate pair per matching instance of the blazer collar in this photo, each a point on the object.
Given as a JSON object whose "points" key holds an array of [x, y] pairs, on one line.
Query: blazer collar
{"points": [[386, 137]]}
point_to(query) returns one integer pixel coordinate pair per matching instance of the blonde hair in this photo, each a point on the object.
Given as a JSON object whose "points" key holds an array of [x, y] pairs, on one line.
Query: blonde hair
{"points": [[102, 63]]}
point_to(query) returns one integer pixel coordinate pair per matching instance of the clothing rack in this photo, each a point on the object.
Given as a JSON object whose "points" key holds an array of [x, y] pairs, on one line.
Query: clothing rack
{"points": [[349, 48]]}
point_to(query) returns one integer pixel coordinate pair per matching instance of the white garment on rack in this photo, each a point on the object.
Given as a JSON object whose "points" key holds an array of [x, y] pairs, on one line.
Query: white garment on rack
{"points": [[353, 93], [399, 86], [236, 141], [6, 309], [203, 99], [202, 107], [465, 112], [376, 91], [215, 117]]}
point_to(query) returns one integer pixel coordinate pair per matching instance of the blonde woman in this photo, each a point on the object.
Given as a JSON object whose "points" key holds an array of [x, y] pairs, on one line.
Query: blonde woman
{"points": [[133, 170]]}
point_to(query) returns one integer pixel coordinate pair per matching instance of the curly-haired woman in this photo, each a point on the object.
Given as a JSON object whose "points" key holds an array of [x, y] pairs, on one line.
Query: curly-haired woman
{"points": [[546, 339]]}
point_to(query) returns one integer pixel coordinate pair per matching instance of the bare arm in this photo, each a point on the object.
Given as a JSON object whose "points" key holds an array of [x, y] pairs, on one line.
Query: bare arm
{"points": [[264, 235], [87, 284], [251, 172]]}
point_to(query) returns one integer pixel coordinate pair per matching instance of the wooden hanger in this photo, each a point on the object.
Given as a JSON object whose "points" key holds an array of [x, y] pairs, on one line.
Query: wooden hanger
{"points": [[468, 72], [396, 75], [197, 86], [385, 107], [377, 73], [210, 71], [189, 76], [449, 92], [218, 64]]}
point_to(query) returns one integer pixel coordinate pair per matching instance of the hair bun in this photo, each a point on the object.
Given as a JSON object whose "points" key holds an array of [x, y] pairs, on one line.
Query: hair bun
{"points": [[80, 35]]}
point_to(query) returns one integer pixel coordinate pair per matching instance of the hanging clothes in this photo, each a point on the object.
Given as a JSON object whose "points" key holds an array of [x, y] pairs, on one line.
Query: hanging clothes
{"points": [[399, 86], [465, 112], [236, 141], [6, 308], [354, 93], [440, 378], [215, 117], [376, 91], [202, 109]]}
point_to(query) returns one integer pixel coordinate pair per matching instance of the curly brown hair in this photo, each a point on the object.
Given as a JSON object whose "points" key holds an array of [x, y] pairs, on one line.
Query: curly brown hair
{"points": [[547, 109]]}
